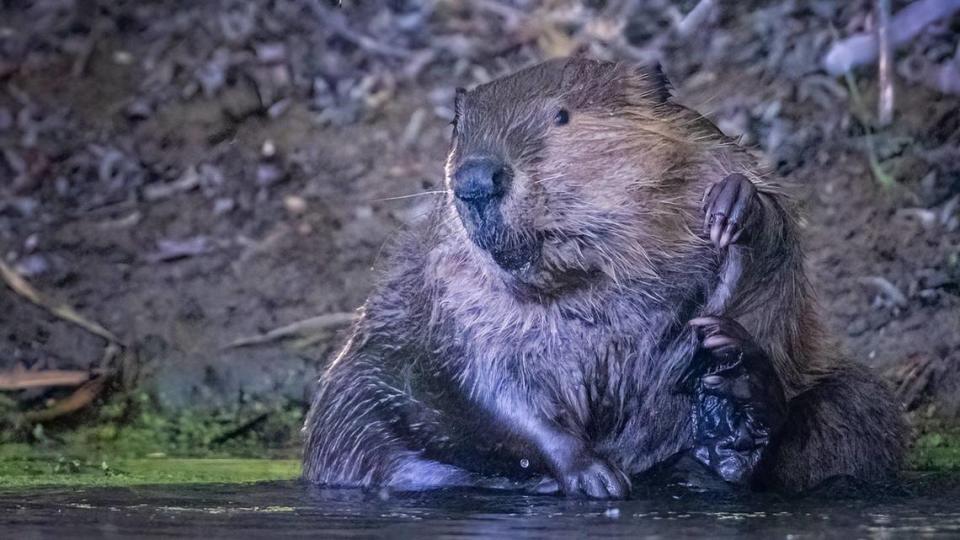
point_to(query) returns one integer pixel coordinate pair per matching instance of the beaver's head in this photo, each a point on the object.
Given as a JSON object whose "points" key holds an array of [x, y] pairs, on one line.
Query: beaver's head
{"points": [[562, 172]]}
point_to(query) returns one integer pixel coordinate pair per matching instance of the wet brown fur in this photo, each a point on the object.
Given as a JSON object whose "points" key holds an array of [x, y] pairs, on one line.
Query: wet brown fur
{"points": [[457, 365]]}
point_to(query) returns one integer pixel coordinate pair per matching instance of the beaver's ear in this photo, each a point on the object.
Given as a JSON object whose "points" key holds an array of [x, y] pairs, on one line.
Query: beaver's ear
{"points": [[576, 72], [655, 84], [458, 103]]}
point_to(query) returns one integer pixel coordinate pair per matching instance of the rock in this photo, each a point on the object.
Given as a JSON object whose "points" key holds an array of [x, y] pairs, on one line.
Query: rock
{"points": [[213, 74], [32, 265], [138, 109], [363, 212], [270, 53], [211, 178], [223, 205], [279, 108], [6, 119], [857, 327], [934, 279], [240, 101], [269, 173]]}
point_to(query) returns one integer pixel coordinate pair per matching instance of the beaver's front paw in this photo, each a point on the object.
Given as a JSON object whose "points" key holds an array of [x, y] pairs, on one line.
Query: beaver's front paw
{"points": [[739, 402], [728, 205], [587, 475]]}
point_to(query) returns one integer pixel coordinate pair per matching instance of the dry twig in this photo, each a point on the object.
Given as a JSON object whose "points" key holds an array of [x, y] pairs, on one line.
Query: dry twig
{"points": [[307, 326], [914, 379], [20, 286], [886, 288], [22, 379], [885, 68], [80, 398]]}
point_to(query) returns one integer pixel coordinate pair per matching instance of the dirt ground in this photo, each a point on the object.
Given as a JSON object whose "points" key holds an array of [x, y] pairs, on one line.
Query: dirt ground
{"points": [[189, 174]]}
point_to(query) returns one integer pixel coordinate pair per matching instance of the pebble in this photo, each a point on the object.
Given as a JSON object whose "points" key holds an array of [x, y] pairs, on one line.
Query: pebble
{"points": [[30, 244], [6, 119], [271, 53], [32, 265], [269, 149], [223, 205], [122, 58], [268, 174], [294, 204], [363, 212]]}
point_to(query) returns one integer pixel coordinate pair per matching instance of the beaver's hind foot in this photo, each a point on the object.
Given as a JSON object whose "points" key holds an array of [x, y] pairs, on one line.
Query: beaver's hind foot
{"points": [[739, 401]]}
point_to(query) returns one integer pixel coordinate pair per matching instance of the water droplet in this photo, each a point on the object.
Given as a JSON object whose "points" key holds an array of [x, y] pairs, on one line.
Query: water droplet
{"points": [[524, 463]]}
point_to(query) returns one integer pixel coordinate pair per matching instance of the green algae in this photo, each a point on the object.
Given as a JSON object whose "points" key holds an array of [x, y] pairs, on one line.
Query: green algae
{"points": [[26, 466], [21, 467]]}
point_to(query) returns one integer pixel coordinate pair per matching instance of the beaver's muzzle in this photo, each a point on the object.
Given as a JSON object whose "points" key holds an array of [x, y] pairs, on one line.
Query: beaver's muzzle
{"points": [[480, 182], [479, 186]]}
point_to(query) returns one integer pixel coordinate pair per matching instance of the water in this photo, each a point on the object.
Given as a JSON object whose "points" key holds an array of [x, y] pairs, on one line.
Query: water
{"points": [[928, 506]]}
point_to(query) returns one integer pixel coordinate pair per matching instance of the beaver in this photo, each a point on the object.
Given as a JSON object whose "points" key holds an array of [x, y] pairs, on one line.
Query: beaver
{"points": [[609, 286]]}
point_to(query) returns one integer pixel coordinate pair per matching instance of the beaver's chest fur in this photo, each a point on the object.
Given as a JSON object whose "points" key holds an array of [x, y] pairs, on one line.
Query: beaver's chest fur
{"points": [[604, 362]]}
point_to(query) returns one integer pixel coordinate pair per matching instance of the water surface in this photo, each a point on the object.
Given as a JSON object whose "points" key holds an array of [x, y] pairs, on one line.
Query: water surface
{"points": [[926, 506]]}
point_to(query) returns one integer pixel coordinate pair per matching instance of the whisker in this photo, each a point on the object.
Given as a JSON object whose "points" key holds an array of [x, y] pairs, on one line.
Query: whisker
{"points": [[412, 195]]}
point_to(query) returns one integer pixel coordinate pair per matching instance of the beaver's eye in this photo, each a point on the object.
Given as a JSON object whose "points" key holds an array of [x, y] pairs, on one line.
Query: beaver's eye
{"points": [[562, 117]]}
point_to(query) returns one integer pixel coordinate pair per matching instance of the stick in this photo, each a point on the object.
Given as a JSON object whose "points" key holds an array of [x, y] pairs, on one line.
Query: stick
{"points": [[311, 325], [80, 398], [886, 288], [21, 379], [245, 427], [695, 19], [885, 68], [20, 286]]}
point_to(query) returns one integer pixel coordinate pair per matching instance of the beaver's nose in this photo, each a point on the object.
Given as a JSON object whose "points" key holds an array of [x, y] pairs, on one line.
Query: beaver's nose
{"points": [[479, 181]]}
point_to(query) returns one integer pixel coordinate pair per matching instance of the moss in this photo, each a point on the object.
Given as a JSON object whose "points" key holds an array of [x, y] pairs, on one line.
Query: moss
{"points": [[132, 426], [129, 441], [936, 451]]}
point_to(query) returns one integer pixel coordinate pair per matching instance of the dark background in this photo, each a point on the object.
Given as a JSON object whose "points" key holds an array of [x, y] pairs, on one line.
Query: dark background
{"points": [[187, 174]]}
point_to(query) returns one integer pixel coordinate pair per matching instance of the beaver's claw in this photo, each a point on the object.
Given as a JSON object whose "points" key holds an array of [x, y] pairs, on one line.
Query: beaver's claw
{"points": [[727, 206], [595, 479]]}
